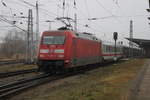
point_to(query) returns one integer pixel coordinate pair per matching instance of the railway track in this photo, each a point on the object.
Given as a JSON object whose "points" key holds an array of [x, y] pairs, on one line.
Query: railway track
{"points": [[11, 62], [8, 90], [12, 88], [14, 73]]}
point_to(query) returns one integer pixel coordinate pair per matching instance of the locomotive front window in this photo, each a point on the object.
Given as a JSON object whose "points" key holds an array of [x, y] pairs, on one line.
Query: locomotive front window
{"points": [[53, 39]]}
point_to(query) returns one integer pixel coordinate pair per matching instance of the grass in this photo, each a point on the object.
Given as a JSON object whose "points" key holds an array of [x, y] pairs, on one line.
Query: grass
{"points": [[108, 83], [105, 83]]}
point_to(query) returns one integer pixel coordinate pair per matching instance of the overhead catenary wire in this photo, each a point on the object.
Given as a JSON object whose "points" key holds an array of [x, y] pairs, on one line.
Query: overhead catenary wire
{"points": [[27, 3], [15, 2], [7, 21], [64, 4], [87, 9], [46, 11], [42, 9], [74, 3], [75, 16], [68, 8], [108, 17], [87, 26], [13, 15], [88, 19], [101, 5], [113, 16], [116, 2], [50, 14]]}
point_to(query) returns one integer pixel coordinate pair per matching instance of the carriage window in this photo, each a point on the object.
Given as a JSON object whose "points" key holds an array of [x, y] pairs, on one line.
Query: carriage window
{"points": [[53, 39], [107, 48]]}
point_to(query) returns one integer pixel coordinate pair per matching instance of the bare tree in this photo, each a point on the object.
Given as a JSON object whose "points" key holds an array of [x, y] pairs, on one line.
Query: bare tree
{"points": [[14, 44]]}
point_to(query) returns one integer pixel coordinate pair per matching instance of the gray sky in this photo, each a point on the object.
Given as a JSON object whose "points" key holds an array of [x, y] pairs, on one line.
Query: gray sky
{"points": [[114, 15]]}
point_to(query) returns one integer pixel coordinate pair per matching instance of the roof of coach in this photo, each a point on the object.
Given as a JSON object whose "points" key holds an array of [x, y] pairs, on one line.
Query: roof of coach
{"points": [[134, 47], [56, 31], [88, 36], [111, 43], [83, 35]]}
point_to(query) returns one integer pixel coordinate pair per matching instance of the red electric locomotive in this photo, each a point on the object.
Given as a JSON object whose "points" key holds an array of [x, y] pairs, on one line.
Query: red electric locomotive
{"points": [[67, 49]]}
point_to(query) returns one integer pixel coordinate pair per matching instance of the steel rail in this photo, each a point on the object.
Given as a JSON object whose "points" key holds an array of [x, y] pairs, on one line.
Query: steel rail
{"points": [[14, 73], [8, 90], [11, 62], [11, 88]]}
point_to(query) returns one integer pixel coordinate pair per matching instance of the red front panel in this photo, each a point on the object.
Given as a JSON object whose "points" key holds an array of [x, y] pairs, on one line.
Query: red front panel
{"points": [[51, 52], [52, 48], [57, 51]]}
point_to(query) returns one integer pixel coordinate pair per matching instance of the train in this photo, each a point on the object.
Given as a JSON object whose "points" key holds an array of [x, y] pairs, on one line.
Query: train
{"points": [[66, 49], [132, 52]]}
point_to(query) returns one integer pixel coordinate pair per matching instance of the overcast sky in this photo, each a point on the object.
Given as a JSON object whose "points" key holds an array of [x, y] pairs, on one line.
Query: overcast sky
{"points": [[113, 16]]}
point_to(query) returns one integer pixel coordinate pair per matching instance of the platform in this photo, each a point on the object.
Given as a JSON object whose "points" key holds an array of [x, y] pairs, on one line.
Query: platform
{"points": [[144, 89], [140, 89]]}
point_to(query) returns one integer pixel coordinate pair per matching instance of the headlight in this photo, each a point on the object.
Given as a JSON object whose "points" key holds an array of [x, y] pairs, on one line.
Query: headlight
{"points": [[59, 51], [41, 55], [44, 51]]}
